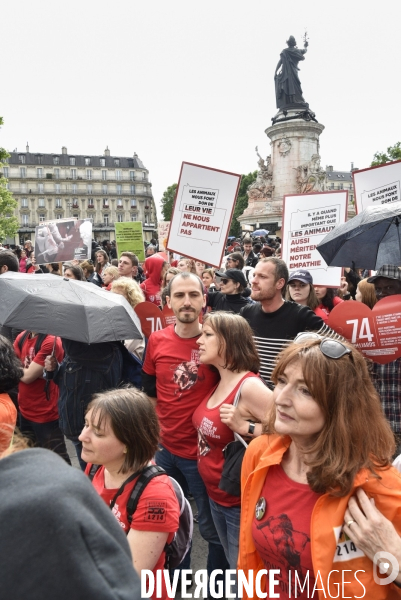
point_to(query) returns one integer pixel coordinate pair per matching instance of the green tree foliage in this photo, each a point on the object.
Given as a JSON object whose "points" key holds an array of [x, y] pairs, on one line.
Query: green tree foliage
{"points": [[392, 153], [8, 223], [167, 202], [242, 202]]}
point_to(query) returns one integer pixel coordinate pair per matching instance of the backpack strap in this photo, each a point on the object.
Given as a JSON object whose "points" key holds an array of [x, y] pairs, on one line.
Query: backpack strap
{"points": [[147, 475], [22, 339], [93, 470]]}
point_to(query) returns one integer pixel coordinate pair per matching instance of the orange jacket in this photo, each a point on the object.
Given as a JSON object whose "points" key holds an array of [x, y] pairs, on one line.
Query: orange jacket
{"points": [[327, 547]]}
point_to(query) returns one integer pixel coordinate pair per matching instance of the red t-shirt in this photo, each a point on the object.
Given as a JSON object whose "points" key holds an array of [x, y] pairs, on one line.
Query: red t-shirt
{"points": [[158, 494], [325, 310], [181, 383], [213, 437], [321, 313], [282, 535], [32, 400]]}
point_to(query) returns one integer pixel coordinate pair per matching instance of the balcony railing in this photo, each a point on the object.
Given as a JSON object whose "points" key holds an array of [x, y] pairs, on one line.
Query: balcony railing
{"points": [[80, 177]]}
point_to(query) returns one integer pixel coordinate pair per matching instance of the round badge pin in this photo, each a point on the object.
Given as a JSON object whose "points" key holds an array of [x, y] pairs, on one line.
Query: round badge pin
{"points": [[260, 509]]}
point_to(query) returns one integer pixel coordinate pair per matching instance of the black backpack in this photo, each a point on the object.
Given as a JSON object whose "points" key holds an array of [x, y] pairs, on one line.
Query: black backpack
{"points": [[178, 548]]}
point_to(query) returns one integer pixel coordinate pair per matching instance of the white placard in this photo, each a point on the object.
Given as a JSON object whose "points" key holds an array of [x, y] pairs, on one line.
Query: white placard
{"points": [[202, 213], [162, 232], [377, 185], [307, 219]]}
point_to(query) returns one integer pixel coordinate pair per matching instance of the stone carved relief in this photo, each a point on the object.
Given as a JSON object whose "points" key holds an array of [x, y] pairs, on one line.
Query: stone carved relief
{"points": [[262, 187], [310, 176], [284, 146]]}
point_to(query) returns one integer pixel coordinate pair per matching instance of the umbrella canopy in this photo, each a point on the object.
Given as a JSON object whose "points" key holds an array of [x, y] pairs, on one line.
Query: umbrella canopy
{"points": [[75, 310], [369, 240], [260, 232]]}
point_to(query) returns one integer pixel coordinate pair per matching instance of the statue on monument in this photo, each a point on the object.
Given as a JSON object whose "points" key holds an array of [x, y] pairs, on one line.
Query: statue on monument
{"points": [[262, 187], [287, 83], [310, 176]]}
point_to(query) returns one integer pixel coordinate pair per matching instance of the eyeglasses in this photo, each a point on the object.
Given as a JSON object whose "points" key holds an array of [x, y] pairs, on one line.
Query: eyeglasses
{"points": [[329, 347], [224, 281]]}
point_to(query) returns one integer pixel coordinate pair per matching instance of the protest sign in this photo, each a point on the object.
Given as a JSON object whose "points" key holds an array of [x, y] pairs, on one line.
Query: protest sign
{"points": [[376, 333], [63, 239], [162, 232], [129, 238], [202, 213], [377, 185], [307, 219], [151, 317]]}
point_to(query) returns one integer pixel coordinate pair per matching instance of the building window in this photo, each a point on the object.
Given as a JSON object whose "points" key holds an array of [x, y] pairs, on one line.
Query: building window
{"points": [[24, 202], [56, 160], [5, 172], [23, 188], [39, 159], [133, 203], [74, 188], [90, 202], [41, 203], [120, 218], [340, 186], [104, 188], [57, 188], [88, 173], [40, 188], [73, 173], [118, 188], [39, 173], [22, 172], [132, 189], [118, 175], [133, 217], [21, 159], [116, 162], [119, 202], [58, 203], [102, 162], [75, 203], [87, 162], [145, 189], [106, 219], [58, 216], [91, 216], [25, 220], [104, 175], [105, 203], [41, 218], [75, 215], [72, 161], [132, 175], [90, 188], [56, 173]]}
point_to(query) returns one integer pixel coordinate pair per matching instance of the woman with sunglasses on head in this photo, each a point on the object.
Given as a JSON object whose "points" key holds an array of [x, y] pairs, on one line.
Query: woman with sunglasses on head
{"points": [[227, 344], [321, 444], [300, 290], [121, 436]]}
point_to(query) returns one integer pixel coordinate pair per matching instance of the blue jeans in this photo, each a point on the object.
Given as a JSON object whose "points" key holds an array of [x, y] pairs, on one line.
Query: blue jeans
{"points": [[184, 468], [45, 435], [226, 519]]}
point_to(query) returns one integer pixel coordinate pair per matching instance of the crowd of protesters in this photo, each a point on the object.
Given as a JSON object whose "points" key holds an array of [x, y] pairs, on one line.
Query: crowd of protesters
{"points": [[249, 361]]}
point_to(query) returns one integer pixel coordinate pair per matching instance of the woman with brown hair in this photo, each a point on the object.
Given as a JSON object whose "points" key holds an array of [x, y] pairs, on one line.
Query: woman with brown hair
{"points": [[121, 434], [365, 292], [102, 262], [227, 344], [321, 443], [300, 290]]}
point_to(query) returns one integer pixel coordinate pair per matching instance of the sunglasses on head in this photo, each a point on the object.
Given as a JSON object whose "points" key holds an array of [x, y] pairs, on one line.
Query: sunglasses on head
{"points": [[329, 347]]}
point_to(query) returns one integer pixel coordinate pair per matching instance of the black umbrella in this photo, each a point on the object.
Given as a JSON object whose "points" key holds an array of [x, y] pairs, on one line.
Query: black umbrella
{"points": [[368, 241], [75, 310]]}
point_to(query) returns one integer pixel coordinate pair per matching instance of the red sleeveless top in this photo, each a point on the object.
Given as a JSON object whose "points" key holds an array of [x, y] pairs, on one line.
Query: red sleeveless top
{"points": [[213, 437]]}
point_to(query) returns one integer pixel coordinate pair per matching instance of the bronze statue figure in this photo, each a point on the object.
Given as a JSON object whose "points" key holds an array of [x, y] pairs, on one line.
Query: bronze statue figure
{"points": [[287, 83]]}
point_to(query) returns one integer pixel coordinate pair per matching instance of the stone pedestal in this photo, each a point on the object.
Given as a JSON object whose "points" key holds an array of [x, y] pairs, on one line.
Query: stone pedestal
{"points": [[294, 144]]}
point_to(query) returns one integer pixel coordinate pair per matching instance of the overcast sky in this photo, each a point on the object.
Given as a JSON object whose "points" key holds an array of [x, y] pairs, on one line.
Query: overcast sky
{"points": [[179, 80]]}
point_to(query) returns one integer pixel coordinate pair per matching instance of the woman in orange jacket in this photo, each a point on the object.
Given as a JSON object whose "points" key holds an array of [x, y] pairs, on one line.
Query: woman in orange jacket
{"points": [[322, 443]]}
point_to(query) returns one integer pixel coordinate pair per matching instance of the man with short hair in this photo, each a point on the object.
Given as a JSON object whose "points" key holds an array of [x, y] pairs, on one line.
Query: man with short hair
{"points": [[250, 258], [387, 378], [8, 262], [275, 321], [128, 265], [230, 298], [177, 382]]}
